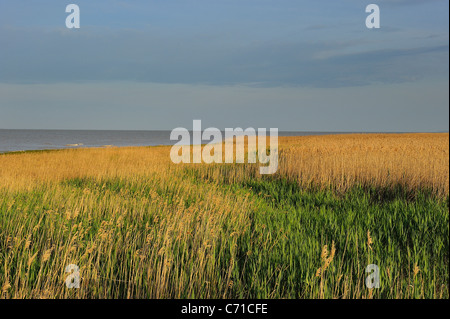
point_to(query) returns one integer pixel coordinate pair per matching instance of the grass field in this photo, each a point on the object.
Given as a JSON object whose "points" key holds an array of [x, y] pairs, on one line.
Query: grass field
{"points": [[139, 226]]}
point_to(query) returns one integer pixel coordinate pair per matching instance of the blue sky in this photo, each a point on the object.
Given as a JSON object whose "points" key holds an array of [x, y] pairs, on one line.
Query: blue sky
{"points": [[295, 65]]}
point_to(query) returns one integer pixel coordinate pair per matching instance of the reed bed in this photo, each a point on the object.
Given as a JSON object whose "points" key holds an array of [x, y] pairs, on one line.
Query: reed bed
{"points": [[411, 161], [139, 226]]}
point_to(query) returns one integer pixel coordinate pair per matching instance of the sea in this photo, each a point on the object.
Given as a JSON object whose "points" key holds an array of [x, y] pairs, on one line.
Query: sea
{"points": [[25, 140]]}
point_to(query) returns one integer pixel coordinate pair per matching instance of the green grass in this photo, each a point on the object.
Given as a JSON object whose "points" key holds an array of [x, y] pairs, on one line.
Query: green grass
{"points": [[295, 224], [274, 252]]}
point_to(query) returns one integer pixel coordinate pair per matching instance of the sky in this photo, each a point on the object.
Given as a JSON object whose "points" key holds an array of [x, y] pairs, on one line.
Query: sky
{"points": [[287, 64]]}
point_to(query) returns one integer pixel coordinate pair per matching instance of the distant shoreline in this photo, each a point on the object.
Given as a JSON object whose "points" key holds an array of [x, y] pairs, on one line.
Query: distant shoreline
{"points": [[74, 146], [283, 131]]}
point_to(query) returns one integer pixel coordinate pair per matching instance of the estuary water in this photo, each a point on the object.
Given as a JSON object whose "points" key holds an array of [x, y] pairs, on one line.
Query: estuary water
{"points": [[24, 140]]}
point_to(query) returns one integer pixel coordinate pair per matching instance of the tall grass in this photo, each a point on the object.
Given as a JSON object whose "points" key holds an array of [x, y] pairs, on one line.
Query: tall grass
{"points": [[412, 161], [139, 226]]}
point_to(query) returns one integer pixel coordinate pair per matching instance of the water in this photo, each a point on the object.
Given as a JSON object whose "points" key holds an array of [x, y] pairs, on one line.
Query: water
{"points": [[24, 140]]}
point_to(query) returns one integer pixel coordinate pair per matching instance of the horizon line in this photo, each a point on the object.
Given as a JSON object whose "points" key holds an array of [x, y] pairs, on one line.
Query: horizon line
{"points": [[222, 130]]}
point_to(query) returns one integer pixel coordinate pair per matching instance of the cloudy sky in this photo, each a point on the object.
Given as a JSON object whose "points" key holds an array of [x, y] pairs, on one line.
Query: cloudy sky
{"points": [[290, 64]]}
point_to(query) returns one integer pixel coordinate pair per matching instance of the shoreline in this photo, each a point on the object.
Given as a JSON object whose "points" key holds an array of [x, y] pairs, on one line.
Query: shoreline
{"points": [[280, 135]]}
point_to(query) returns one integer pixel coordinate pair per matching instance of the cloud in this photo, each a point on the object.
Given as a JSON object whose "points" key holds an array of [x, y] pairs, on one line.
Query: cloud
{"points": [[302, 65], [102, 54], [418, 106], [408, 2]]}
